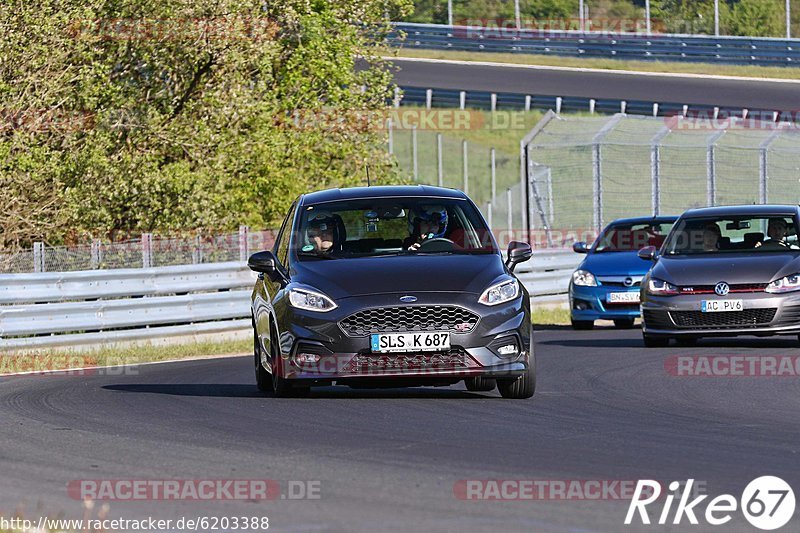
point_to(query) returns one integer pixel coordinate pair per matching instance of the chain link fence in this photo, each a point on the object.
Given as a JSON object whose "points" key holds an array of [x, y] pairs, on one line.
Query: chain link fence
{"points": [[144, 252], [621, 166]]}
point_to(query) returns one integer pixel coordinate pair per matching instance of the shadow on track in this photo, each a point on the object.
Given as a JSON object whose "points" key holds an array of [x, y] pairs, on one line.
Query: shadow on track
{"points": [[215, 390]]}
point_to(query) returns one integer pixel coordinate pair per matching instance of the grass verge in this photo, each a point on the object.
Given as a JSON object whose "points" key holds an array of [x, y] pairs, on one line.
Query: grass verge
{"points": [[609, 64], [550, 315], [64, 358]]}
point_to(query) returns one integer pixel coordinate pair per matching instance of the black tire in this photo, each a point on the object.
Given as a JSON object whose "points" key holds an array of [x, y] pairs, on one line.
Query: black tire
{"points": [[686, 341], [524, 386], [655, 342], [282, 388], [263, 378], [479, 384], [623, 323], [582, 324]]}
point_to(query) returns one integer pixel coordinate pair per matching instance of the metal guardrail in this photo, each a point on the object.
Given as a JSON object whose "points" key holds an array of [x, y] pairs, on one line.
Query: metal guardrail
{"points": [[93, 308], [637, 46], [500, 101], [103, 307]]}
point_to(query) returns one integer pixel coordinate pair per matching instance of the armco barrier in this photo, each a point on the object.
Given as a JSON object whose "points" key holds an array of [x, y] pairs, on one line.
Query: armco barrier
{"points": [[102, 307], [656, 47]]}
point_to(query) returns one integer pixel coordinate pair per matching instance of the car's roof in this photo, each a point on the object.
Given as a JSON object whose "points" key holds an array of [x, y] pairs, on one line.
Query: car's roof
{"points": [[741, 210], [380, 191], [662, 219]]}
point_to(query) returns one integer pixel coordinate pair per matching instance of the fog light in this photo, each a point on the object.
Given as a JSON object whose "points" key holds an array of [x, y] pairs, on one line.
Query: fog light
{"points": [[508, 349], [306, 358]]}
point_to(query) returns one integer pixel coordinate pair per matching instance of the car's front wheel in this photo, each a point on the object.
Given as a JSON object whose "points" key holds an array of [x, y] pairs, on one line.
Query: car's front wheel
{"points": [[281, 387], [655, 342], [582, 324], [479, 384], [263, 378], [624, 323], [520, 388]]}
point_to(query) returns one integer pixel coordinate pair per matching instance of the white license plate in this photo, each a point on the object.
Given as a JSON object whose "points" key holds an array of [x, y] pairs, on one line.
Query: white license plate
{"points": [[719, 306], [410, 342], [623, 297]]}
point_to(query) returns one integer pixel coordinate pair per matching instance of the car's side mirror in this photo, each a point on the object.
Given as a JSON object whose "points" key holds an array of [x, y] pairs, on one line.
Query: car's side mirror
{"points": [[263, 263], [580, 247], [648, 253], [518, 252]]}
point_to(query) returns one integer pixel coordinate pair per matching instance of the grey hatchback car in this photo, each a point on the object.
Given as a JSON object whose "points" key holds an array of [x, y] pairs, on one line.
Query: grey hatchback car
{"points": [[724, 271]]}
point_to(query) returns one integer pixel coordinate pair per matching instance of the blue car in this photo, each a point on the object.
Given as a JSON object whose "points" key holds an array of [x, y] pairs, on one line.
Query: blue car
{"points": [[606, 284]]}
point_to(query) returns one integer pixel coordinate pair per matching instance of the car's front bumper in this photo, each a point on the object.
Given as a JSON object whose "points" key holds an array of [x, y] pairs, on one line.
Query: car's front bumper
{"points": [[343, 358], [592, 303], [763, 314]]}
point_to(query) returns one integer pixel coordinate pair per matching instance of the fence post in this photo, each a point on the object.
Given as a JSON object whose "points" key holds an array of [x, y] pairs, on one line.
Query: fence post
{"points": [[414, 152], [197, 256], [489, 214], [391, 136], [763, 166], [147, 250], [244, 248], [711, 169], [465, 165], [510, 217], [95, 259], [440, 169], [492, 156], [550, 200], [655, 168], [597, 171], [38, 257]]}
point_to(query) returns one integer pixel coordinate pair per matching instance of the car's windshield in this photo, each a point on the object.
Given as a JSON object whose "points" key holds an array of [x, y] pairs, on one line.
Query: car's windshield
{"points": [[391, 226], [632, 237], [713, 235]]}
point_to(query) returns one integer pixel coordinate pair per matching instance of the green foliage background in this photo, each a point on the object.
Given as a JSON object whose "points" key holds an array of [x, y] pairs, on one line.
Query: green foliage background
{"points": [[765, 18], [168, 115]]}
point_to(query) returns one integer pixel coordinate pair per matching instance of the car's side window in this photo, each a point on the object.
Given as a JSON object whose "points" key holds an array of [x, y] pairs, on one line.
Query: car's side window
{"points": [[282, 242]]}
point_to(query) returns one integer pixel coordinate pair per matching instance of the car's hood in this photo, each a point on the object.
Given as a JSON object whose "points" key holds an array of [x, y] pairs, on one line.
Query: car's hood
{"points": [[731, 268], [341, 278], [616, 264]]}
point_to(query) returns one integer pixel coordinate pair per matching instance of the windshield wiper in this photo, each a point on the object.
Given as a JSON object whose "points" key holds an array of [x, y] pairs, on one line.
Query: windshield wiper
{"points": [[318, 256]]}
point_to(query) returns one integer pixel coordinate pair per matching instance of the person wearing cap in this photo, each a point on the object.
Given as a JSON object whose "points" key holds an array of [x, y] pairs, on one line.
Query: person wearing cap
{"points": [[425, 223], [321, 232]]}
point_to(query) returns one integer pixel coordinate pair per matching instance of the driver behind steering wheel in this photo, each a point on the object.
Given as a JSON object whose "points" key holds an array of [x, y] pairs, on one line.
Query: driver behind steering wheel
{"points": [[425, 223]]}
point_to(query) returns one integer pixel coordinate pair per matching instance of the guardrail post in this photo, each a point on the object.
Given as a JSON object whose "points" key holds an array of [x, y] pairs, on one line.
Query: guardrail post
{"points": [[244, 245], [396, 99], [591, 105], [558, 104], [623, 106], [494, 101], [439, 167], [428, 98], [38, 257], [527, 102], [95, 257], [414, 152], [465, 165], [462, 99], [147, 250], [655, 109]]}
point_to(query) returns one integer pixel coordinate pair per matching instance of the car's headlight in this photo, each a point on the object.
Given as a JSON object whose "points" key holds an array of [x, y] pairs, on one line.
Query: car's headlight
{"points": [[661, 288], [584, 278], [499, 293], [310, 300], [787, 284]]}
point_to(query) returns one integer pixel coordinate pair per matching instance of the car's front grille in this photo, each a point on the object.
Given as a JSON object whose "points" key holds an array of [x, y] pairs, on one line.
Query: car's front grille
{"points": [[738, 287], [365, 363], [656, 319], [728, 319], [409, 318], [621, 307], [790, 316]]}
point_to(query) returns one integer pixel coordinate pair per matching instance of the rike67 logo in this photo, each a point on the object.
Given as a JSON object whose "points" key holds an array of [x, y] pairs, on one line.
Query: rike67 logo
{"points": [[767, 503]]}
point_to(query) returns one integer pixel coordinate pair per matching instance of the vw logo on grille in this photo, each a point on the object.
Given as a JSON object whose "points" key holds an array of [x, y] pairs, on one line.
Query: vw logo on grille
{"points": [[408, 299], [722, 288], [628, 282]]}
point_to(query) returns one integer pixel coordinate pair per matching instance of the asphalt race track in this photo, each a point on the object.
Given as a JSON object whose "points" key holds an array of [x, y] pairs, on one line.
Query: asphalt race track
{"points": [[605, 409], [759, 94]]}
